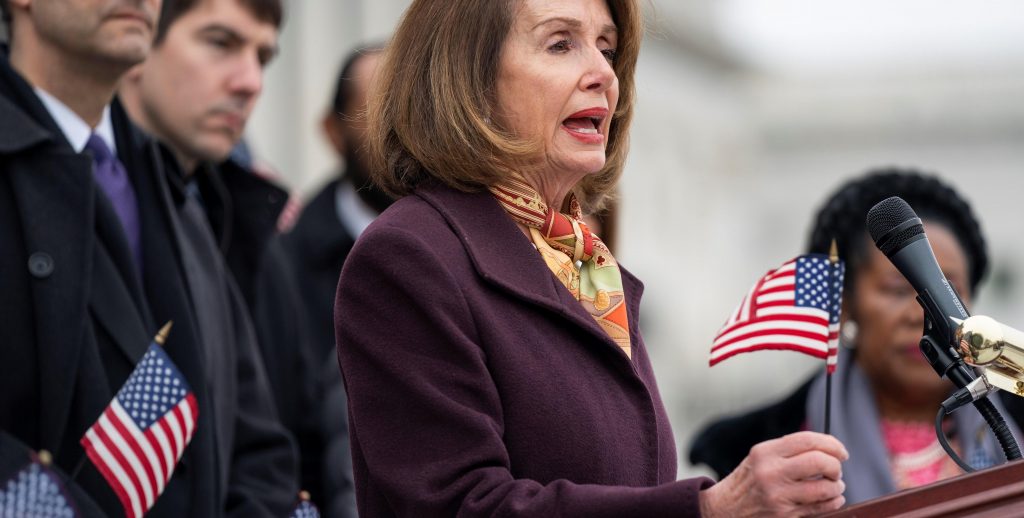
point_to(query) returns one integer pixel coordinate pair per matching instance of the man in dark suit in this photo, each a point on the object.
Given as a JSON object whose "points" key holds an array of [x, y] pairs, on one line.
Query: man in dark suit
{"points": [[195, 93], [93, 262]]}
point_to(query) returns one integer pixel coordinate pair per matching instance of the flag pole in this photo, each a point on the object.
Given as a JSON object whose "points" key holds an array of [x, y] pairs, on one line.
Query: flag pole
{"points": [[833, 259], [78, 468], [161, 336]]}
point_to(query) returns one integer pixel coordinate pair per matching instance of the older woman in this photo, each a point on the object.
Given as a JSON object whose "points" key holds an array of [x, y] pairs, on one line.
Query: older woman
{"points": [[488, 339], [887, 394]]}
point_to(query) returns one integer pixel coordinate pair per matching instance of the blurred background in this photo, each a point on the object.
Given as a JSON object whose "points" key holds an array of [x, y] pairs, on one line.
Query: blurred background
{"points": [[750, 112]]}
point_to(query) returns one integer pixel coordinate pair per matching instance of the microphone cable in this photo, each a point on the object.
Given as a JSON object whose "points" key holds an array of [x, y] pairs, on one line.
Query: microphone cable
{"points": [[992, 416]]}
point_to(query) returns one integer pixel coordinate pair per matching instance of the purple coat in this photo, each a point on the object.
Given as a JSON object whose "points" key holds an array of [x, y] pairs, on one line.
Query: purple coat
{"points": [[478, 386]]}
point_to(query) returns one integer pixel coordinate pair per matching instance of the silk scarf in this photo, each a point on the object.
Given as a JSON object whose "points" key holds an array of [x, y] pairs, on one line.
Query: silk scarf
{"points": [[577, 257]]}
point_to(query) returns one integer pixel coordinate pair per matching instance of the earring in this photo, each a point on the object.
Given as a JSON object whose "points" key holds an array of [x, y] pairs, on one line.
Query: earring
{"points": [[848, 334]]}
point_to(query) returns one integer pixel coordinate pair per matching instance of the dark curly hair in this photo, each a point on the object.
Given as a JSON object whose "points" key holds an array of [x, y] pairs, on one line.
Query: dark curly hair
{"points": [[843, 217]]}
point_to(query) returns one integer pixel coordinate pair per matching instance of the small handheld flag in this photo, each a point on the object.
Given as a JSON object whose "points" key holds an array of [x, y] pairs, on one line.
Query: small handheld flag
{"points": [[305, 508], [795, 307], [142, 434], [36, 490]]}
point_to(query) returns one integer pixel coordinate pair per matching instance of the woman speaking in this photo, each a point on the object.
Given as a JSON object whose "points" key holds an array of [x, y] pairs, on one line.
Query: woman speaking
{"points": [[488, 340]]}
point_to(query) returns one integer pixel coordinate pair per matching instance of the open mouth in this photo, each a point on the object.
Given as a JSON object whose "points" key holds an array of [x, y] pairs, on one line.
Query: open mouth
{"points": [[586, 123]]}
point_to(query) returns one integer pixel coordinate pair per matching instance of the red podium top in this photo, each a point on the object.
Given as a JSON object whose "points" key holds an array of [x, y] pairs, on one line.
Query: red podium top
{"points": [[994, 492]]}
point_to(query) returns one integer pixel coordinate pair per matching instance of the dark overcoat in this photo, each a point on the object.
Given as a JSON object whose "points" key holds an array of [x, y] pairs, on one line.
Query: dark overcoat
{"points": [[76, 315], [243, 209], [479, 387], [319, 245]]}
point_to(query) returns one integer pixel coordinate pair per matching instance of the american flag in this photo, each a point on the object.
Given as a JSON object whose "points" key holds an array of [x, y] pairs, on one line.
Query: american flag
{"points": [[35, 491], [305, 508], [141, 435], [796, 308]]}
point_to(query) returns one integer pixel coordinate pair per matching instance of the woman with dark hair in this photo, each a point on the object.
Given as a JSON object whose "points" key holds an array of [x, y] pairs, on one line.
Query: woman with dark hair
{"points": [[488, 339], [886, 394]]}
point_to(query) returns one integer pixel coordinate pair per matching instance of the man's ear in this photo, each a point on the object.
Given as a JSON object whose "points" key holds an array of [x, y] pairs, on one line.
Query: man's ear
{"points": [[331, 124]]}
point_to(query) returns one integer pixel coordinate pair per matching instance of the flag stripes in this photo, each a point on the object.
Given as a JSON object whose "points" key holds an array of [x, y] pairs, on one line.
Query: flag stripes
{"points": [[140, 437], [795, 307]]}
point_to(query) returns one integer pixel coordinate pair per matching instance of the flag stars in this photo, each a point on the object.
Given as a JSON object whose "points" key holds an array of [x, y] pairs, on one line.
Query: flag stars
{"points": [[152, 390]]}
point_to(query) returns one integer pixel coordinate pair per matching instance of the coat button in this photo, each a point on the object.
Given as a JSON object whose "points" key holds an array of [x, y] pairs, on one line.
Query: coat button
{"points": [[40, 265]]}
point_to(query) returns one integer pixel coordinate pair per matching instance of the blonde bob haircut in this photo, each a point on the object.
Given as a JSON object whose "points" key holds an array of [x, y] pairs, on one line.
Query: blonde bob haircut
{"points": [[428, 117]]}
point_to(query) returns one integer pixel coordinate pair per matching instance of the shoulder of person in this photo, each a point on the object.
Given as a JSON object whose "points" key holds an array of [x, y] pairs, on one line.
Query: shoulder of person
{"points": [[409, 217], [17, 129]]}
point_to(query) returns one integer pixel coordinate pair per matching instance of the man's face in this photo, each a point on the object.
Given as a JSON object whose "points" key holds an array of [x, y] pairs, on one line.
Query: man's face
{"points": [[199, 86], [117, 32]]}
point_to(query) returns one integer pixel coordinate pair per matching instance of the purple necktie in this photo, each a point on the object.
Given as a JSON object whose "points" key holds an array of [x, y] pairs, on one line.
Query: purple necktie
{"points": [[109, 172]]}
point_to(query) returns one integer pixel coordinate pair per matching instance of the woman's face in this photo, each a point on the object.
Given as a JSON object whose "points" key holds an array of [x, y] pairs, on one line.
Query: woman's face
{"points": [[556, 83], [890, 321]]}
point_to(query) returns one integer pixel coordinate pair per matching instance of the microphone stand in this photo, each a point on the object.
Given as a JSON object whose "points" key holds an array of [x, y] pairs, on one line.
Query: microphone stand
{"points": [[947, 363]]}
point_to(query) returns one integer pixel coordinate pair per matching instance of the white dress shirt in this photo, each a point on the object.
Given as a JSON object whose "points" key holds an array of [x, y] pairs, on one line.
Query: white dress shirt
{"points": [[75, 129], [354, 213]]}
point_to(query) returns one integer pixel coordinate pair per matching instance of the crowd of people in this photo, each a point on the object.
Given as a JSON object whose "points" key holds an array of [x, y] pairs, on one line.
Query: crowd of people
{"points": [[443, 330]]}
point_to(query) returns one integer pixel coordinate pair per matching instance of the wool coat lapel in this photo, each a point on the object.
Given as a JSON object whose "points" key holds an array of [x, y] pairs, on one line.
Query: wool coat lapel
{"points": [[504, 256], [66, 226]]}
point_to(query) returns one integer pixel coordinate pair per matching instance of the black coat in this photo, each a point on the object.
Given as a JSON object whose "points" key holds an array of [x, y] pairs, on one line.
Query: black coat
{"points": [[243, 209], [77, 316], [319, 244]]}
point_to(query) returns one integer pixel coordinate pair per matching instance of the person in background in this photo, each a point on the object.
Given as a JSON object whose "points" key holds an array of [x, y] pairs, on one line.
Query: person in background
{"points": [[318, 244], [195, 93], [886, 394], [93, 263], [330, 223], [489, 341]]}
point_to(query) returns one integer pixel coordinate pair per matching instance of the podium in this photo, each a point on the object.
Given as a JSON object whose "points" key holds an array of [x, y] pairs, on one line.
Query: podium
{"points": [[990, 493]]}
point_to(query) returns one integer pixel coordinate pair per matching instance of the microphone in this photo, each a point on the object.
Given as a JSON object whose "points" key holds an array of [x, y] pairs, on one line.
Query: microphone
{"points": [[899, 234]]}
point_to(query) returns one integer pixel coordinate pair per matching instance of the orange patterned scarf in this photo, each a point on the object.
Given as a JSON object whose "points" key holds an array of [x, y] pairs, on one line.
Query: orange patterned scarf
{"points": [[564, 241]]}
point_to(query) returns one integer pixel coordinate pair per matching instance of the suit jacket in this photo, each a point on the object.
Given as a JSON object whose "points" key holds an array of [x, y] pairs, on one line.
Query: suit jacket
{"points": [[260, 472], [478, 386], [77, 314], [243, 209], [319, 244]]}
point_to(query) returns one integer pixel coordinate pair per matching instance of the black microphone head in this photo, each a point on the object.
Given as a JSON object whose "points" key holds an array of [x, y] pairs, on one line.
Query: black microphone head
{"points": [[893, 225]]}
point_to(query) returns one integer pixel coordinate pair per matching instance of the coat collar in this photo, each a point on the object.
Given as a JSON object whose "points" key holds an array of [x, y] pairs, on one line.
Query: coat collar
{"points": [[504, 257], [243, 207], [23, 119], [17, 130]]}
